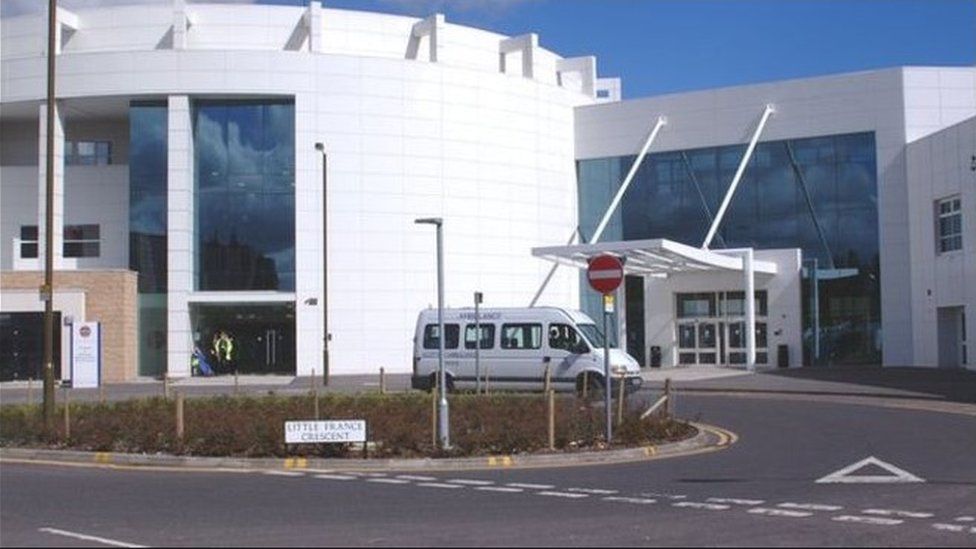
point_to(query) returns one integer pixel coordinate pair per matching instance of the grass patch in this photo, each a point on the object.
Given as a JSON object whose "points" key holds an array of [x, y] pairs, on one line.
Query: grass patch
{"points": [[398, 425]]}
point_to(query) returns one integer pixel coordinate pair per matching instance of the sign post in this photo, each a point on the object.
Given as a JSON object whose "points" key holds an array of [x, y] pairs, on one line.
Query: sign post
{"points": [[605, 273], [477, 343]]}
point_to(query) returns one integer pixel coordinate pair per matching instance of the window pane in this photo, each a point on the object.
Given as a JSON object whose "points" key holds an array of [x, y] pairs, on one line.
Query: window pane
{"points": [[28, 251], [521, 336], [28, 232], [565, 337], [487, 336], [431, 340]]}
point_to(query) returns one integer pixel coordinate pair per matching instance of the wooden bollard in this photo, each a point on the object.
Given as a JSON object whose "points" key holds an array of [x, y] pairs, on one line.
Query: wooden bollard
{"points": [[551, 397], [101, 392], [586, 384], [30, 391], [667, 402], [548, 381], [620, 399], [67, 414], [487, 383], [180, 427], [382, 381]]}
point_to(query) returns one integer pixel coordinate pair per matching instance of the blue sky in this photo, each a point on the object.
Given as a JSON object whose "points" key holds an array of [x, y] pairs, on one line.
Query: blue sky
{"points": [[661, 46]]}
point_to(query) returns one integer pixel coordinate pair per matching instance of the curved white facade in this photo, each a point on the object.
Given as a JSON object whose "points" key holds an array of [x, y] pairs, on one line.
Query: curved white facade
{"points": [[419, 118]]}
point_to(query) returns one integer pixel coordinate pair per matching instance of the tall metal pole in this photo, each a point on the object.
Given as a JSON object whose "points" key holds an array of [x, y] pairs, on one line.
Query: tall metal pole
{"points": [[607, 385], [48, 289], [477, 344], [325, 264], [443, 428]]}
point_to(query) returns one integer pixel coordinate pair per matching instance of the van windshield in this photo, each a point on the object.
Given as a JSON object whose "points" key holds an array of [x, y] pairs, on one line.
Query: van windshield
{"points": [[595, 336]]}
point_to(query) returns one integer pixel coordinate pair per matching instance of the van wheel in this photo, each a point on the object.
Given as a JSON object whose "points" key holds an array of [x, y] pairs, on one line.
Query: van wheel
{"points": [[448, 379], [593, 383]]}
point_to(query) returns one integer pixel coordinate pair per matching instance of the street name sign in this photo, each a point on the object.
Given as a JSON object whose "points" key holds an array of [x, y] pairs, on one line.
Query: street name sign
{"points": [[312, 432]]}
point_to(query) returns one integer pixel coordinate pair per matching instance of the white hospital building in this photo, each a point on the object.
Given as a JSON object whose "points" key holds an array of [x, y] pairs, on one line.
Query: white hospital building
{"points": [[191, 197]]}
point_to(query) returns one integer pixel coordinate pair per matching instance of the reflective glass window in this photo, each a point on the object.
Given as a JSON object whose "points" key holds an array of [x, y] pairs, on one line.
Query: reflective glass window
{"points": [[521, 336], [245, 194], [432, 336], [949, 211]]}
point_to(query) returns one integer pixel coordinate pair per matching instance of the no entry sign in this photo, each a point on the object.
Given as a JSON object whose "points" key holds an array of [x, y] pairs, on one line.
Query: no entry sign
{"points": [[605, 273]]}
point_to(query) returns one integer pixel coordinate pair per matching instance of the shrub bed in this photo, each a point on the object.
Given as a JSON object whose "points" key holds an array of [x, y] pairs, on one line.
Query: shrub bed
{"points": [[397, 425]]}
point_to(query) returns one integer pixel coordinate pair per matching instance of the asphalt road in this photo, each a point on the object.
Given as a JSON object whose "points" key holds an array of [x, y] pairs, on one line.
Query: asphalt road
{"points": [[761, 491]]}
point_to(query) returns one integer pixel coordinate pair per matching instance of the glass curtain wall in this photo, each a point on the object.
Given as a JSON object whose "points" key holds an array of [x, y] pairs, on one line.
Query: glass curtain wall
{"points": [[147, 228], [245, 195], [817, 194]]}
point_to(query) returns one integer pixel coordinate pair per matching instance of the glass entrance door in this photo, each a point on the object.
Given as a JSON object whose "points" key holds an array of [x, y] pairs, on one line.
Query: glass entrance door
{"points": [[246, 338], [699, 342]]}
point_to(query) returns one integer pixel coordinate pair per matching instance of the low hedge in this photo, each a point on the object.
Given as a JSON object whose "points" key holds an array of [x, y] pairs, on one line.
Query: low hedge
{"points": [[397, 426]]}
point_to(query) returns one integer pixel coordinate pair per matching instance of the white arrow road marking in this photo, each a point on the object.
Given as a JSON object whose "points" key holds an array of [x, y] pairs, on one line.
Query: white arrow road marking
{"points": [[737, 501], [843, 476], [84, 537], [642, 501], [879, 521], [698, 505], [569, 495], [336, 477], [896, 513], [500, 489], [779, 512], [810, 506]]}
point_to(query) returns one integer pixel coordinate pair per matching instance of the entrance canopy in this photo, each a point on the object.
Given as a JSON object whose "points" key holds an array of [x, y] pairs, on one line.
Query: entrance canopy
{"points": [[658, 257]]}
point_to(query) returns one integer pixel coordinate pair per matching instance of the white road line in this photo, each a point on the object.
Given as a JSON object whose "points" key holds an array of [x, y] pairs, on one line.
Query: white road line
{"points": [[415, 477], [284, 473], [666, 496], [438, 485], [500, 489], [467, 482], [699, 505], [530, 486], [594, 491], [569, 495], [950, 527], [737, 501], [879, 521], [810, 506], [83, 537], [388, 480], [897, 513], [779, 512], [336, 477], [374, 475], [642, 501], [965, 519]]}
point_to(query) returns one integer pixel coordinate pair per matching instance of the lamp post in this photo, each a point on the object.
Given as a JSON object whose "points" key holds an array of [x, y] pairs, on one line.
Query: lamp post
{"points": [[325, 264], [47, 291], [443, 429]]}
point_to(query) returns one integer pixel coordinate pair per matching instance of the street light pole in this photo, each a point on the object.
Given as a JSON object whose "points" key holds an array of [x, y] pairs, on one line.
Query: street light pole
{"points": [[443, 428], [325, 264], [48, 289]]}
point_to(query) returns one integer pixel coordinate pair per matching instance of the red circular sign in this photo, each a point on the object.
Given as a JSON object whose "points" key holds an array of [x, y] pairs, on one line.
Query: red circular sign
{"points": [[605, 273]]}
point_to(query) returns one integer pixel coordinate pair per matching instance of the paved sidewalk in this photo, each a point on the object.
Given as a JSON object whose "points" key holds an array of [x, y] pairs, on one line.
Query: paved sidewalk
{"points": [[910, 383]]}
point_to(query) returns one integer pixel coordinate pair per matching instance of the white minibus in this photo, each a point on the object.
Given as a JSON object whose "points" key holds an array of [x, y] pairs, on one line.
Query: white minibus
{"points": [[516, 346]]}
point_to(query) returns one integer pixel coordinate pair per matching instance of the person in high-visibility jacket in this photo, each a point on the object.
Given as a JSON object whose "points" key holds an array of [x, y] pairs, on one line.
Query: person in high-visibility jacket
{"points": [[225, 350]]}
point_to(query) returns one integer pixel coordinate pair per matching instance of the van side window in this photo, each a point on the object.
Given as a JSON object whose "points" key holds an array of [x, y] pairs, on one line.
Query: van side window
{"points": [[566, 338], [521, 336], [487, 336], [431, 336]]}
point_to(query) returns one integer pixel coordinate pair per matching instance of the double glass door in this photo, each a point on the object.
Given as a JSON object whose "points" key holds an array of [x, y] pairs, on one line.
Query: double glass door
{"points": [[718, 342]]}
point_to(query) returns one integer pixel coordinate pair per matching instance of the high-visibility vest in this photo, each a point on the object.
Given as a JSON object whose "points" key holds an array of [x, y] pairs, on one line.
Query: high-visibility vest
{"points": [[226, 344]]}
